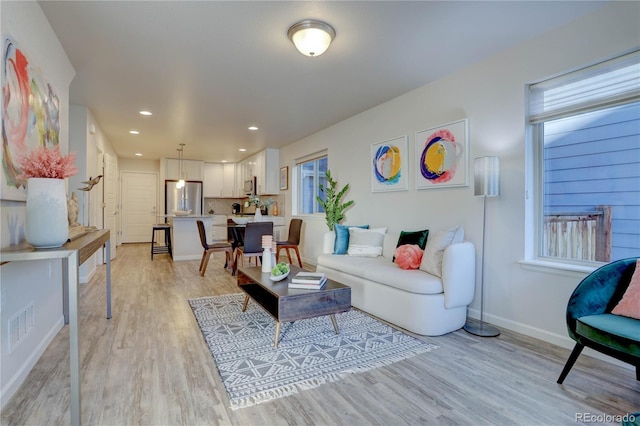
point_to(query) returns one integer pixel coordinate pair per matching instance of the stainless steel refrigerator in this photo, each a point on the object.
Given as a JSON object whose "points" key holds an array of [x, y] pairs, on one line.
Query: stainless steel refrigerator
{"points": [[188, 197]]}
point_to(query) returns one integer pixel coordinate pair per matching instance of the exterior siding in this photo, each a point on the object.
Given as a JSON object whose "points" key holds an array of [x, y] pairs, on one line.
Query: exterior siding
{"points": [[594, 159]]}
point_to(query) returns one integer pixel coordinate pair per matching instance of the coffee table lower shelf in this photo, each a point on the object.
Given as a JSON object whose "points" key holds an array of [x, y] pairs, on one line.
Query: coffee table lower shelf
{"points": [[288, 305]]}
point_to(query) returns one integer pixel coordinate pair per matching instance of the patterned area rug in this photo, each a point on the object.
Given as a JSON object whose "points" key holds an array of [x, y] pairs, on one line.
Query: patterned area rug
{"points": [[309, 352]]}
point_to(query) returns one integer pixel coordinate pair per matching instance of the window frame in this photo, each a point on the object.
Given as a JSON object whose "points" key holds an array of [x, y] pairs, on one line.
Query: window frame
{"points": [[298, 187], [534, 173]]}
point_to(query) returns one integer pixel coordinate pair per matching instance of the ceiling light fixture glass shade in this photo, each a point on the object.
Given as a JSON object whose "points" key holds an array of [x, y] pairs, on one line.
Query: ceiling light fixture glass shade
{"points": [[180, 183], [311, 38]]}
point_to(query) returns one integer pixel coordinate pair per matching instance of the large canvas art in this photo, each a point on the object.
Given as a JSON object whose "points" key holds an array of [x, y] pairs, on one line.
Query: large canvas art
{"points": [[30, 116], [389, 166], [443, 156]]}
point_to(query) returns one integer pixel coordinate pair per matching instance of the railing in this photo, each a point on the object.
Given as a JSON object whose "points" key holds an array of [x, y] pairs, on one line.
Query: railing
{"points": [[579, 235]]}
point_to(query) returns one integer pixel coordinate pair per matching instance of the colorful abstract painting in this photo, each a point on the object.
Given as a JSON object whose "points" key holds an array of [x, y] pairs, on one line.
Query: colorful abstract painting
{"points": [[30, 116], [389, 165], [443, 156]]}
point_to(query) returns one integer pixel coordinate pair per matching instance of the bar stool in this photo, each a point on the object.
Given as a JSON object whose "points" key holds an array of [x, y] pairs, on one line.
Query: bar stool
{"points": [[160, 249]]}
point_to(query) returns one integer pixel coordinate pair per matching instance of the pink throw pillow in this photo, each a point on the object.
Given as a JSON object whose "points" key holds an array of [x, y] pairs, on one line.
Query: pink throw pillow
{"points": [[409, 256], [629, 306]]}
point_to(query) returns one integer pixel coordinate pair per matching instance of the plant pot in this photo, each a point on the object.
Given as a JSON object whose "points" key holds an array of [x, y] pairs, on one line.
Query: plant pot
{"points": [[47, 224]]}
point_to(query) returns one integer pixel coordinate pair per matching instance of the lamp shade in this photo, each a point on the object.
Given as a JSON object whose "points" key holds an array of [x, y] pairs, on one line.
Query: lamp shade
{"points": [[311, 38], [487, 176]]}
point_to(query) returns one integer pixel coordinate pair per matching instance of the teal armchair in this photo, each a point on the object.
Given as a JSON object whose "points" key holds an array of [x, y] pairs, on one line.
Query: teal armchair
{"points": [[590, 321]]}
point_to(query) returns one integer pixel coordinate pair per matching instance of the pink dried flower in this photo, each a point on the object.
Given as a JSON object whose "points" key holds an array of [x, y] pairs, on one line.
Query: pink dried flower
{"points": [[42, 162]]}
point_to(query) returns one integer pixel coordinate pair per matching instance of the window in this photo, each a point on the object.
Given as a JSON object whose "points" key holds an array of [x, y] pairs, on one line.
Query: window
{"points": [[310, 174], [585, 140]]}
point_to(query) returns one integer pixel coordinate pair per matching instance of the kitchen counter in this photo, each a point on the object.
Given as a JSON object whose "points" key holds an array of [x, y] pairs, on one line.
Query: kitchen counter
{"points": [[185, 237]]}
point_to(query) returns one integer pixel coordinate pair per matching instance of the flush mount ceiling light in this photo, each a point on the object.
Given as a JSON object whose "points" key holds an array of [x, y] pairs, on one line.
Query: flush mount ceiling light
{"points": [[311, 37]]}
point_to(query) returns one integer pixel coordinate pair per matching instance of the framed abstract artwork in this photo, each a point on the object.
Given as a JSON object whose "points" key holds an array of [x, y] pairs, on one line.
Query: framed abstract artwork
{"points": [[442, 155], [284, 178], [30, 116], [389, 165]]}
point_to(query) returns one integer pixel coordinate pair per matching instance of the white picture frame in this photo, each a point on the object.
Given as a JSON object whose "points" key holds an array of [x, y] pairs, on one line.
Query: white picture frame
{"points": [[389, 165]]}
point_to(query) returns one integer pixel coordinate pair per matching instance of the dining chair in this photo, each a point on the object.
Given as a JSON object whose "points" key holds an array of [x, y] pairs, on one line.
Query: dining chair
{"points": [[293, 241], [209, 249], [252, 243]]}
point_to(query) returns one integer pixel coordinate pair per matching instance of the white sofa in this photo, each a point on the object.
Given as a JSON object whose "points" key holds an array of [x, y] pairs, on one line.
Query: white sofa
{"points": [[412, 299]]}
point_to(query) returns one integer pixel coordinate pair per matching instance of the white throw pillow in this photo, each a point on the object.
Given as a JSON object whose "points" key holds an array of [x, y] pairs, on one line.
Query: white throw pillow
{"points": [[366, 242], [433, 252]]}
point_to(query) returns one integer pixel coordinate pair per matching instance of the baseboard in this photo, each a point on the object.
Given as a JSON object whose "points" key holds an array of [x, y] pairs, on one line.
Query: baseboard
{"points": [[544, 335], [20, 376]]}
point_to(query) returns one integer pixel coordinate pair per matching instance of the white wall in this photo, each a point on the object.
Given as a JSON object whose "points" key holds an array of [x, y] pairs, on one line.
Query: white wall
{"points": [[38, 282], [492, 95]]}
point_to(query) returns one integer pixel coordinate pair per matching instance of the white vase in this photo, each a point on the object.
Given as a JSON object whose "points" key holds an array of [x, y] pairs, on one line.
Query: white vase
{"points": [[258, 216], [47, 223]]}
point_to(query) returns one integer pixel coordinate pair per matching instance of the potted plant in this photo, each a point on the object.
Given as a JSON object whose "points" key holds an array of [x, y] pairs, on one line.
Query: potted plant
{"points": [[332, 205]]}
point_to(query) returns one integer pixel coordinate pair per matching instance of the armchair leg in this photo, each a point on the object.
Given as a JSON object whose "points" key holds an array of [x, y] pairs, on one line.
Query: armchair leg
{"points": [[577, 349], [637, 372]]}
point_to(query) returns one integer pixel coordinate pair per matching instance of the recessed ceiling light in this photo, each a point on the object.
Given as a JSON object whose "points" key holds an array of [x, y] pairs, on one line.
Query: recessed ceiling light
{"points": [[242, 150], [138, 154], [224, 161], [145, 113], [253, 128], [134, 132]]}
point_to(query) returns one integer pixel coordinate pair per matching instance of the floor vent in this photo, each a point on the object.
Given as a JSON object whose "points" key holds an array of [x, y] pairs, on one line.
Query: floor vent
{"points": [[20, 325]]}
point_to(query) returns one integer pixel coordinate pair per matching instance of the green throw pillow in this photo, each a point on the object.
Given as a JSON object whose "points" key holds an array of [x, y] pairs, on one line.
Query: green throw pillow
{"points": [[418, 238]]}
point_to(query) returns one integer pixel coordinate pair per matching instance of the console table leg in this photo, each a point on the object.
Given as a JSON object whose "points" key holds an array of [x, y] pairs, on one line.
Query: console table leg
{"points": [[335, 324], [108, 255], [74, 337], [275, 343]]}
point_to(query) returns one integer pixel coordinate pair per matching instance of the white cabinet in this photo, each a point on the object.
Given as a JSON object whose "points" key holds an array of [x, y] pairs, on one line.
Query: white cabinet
{"points": [[265, 165], [213, 177], [192, 169], [229, 180], [219, 180]]}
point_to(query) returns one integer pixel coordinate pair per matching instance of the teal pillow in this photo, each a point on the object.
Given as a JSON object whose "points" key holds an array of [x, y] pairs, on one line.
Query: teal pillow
{"points": [[418, 238], [342, 237]]}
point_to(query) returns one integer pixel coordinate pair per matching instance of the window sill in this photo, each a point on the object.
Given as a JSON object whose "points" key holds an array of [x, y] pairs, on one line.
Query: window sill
{"points": [[567, 269]]}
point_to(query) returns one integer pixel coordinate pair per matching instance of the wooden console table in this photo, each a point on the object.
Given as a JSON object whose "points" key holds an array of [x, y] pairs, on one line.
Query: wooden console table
{"points": [[73, 254]]}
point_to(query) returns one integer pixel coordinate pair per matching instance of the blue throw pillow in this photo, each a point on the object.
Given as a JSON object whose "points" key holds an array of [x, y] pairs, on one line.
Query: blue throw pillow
{"points": [[342, 237]]}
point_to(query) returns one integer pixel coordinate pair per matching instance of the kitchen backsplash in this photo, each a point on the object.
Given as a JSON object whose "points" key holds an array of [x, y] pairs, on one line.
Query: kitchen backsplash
{"points": [[223, 205]]}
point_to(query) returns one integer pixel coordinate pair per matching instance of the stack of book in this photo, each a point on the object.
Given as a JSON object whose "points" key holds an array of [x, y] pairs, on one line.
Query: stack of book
{"points": [[308, 280]]}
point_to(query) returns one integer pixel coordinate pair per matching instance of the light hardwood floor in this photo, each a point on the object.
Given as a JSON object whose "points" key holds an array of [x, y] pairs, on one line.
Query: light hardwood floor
{"points": [[149, 365]]}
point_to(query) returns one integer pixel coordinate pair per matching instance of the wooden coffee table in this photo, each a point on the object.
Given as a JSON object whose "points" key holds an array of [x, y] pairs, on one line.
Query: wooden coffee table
{"points": [[288, 305]]}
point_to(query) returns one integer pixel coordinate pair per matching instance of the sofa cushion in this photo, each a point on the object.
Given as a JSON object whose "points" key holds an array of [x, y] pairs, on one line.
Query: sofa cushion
{"points": [[342, 237], [613, 331], [418, 238], [366, 242], [434, 250], [382, 270], [629, 306]]}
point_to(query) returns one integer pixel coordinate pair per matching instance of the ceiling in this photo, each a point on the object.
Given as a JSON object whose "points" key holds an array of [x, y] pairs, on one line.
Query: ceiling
{"points": [[208, 70]]}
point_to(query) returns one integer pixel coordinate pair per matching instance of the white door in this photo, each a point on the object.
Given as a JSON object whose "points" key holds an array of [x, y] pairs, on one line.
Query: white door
{"points": [[111, 199], [139, 203]]}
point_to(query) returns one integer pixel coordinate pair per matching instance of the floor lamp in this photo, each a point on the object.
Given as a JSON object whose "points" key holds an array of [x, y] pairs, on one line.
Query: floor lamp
{"points": [[486, 184]]}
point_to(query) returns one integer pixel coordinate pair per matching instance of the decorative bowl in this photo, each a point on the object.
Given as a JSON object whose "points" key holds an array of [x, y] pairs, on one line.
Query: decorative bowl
{"points": [[181, 212], [238, 220], [279, 277]]}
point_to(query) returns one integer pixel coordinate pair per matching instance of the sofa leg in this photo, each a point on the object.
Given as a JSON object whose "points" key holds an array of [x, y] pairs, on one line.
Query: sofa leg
{"points": [[577, 349], [637, 372]]}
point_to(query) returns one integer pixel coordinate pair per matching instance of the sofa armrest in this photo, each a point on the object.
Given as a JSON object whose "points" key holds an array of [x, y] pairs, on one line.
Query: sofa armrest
{"points": [[459, 274], [328, 242]]}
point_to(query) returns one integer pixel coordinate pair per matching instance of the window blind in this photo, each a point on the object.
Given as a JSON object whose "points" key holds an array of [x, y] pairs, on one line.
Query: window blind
{"points": [[311, 157], [605, 84]]}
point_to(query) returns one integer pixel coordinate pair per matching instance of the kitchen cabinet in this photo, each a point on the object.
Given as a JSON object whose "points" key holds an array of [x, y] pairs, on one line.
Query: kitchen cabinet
{"points": [[219, 180], [265, 165], [229, 183], [192, 169]]}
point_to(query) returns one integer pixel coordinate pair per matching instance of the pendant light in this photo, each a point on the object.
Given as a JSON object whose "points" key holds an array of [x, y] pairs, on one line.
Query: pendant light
{"points": [[180, 183]]}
